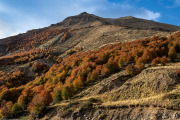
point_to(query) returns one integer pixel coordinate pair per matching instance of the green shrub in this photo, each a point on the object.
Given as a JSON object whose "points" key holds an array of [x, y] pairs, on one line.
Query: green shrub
{"points": [[57, 96], [15, 109], [172, 53], [131, 70], [66, 93], [5, 95]]}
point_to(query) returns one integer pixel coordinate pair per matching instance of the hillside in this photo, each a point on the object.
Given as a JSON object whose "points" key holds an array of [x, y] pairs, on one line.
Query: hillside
{"points": [[124, 98], [88, 67]]}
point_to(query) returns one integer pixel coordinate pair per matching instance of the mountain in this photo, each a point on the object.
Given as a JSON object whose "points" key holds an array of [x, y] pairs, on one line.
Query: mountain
{"points": [[88, 67], [87, 31], [85, 19], [138, 23]]}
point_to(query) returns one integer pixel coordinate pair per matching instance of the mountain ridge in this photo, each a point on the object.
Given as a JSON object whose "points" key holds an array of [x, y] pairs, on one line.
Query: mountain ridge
{"points": [[128, 21], [82, 27]]}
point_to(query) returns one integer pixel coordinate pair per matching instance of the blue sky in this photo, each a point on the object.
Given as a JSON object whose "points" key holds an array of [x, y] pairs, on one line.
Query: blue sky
{"points": [[18, 16]]}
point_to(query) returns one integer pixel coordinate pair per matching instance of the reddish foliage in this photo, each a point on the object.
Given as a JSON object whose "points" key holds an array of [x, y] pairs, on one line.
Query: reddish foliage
{"points": [[39, 67], [39, 102], [159, 60], [178, 72], [131, 70]]}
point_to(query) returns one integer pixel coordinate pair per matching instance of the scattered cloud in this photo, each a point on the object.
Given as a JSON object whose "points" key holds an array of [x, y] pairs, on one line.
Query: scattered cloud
{"points": [[150, 15], [175, 3], [103, 8], [3, 8], [13, 21], [124, 9], [5, 29]]}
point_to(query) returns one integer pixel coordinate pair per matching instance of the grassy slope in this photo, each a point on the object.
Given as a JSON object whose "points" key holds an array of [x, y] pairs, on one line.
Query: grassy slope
{"points": [[155, 90]]}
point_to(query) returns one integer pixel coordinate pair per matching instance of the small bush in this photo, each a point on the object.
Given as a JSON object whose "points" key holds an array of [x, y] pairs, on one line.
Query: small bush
{"points": [[102, 116], [131, 70], [163, 60], [105, 71], [120, 63], [39, 102], [70, 52], [22, 101], [5, 111], [15, 109], [66, 93], [39, 67], [172, 53], [57, 96], [140, 67], [86, 105], [5, 95], [155, 61], [178, 72], [93, 100], [147, 56], [159, 60]]}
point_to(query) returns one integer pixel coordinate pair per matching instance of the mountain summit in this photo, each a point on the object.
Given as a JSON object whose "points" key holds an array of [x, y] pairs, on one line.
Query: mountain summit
{"points": [[81, 19], [86, 19]]}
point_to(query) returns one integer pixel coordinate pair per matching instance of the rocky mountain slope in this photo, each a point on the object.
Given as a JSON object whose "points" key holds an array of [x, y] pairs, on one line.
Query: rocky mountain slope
{"points": [[88, 67]]}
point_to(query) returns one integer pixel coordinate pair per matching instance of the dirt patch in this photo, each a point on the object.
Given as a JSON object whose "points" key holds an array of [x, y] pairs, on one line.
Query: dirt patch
{"points": [[129, 113]]}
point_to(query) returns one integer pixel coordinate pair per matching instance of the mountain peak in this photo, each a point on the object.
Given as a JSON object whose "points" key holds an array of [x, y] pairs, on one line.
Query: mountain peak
{"points": [[84, 13], [82, 18], [127, 17]]}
